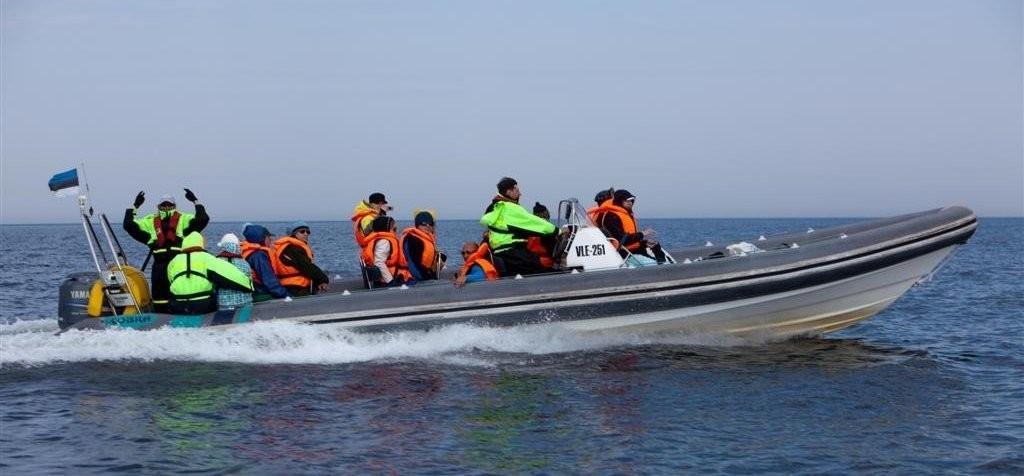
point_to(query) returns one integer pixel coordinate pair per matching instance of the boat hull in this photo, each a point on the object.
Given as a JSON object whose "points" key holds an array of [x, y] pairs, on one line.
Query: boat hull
{"points": [[806, 283]]}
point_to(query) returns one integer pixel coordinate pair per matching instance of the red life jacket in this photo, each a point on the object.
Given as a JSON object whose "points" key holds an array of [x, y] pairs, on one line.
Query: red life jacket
{"points": [[535, 246], [166, 238], [290, 275]]}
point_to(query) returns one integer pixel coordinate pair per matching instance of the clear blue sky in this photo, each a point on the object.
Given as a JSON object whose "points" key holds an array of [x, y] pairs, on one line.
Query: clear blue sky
{"points": [[297, 109]]}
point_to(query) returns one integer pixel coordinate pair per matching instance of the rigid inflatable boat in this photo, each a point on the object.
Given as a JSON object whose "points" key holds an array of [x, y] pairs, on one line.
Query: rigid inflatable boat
{"points": [[810, 282]]}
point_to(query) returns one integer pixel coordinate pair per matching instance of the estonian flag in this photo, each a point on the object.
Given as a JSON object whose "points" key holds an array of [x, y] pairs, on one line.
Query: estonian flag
{"points": [[64, 183]]}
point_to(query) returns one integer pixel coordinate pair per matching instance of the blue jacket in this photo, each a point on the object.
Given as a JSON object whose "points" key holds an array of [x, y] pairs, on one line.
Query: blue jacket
{"points": [[261, 268], [259, 261]]}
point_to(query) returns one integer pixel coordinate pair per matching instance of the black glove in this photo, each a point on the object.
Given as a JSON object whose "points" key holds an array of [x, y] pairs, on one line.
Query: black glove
{"points": [[140, 199], [190, 196]]}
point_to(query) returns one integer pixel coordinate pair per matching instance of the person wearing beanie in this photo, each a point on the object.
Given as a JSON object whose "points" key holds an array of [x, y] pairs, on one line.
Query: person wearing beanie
{"points": [[231, 251], [420, 256], [364, 213], [381, 257], [619, 223], [542, 245], [510, 226], [196, 275], [294, 262], [163, 232], [257, 251]]}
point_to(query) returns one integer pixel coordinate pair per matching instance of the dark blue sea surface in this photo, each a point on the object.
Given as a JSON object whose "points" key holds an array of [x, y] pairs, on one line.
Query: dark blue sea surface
{"points": [[934, 384]]}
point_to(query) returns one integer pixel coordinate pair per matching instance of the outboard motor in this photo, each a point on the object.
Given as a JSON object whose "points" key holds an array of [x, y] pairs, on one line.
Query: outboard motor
{"points": [[83, 295], [73, 303]]}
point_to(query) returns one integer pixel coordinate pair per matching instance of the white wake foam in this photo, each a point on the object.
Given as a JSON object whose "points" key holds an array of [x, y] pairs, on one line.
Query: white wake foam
{"points": [[34, 343]]}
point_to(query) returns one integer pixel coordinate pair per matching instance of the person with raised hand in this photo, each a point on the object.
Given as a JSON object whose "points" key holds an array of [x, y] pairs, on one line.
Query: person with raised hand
{"points": [[163, 233]]}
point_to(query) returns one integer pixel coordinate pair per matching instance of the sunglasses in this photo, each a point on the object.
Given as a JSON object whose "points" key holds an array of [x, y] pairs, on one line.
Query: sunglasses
{"points": [[303, 231]]}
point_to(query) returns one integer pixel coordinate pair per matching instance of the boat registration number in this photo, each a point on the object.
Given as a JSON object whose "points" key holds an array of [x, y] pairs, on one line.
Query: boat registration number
{"points": [[590, 250]]}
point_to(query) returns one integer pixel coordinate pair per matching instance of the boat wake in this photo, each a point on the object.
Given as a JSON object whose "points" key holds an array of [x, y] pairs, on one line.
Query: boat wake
{"points": [[32, 343]]}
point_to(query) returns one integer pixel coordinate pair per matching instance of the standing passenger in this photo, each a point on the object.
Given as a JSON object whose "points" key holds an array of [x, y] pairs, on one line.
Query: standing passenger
{"points": [[163, 232]]}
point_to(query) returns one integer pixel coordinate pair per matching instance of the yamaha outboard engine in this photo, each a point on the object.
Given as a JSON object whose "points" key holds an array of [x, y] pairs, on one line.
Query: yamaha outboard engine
{"points": [[73, 305]]}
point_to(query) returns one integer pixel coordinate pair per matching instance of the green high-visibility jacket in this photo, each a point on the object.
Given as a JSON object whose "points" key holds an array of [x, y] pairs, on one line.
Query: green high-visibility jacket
{"points": [[509, 224], [144, 229], [194, 273]]}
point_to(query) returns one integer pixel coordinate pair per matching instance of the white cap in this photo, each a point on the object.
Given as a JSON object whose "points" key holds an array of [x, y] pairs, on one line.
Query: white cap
{"points": [[167, 198], [228, 238]]}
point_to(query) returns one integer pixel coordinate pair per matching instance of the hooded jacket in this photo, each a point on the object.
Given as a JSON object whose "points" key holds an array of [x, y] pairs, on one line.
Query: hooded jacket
{"points": [[194, 274], [227, 298], [262, 269], [362, 219]]}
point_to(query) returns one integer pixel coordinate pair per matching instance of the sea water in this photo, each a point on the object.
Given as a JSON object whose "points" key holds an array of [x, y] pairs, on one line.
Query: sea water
{"points": [[934, 384]]}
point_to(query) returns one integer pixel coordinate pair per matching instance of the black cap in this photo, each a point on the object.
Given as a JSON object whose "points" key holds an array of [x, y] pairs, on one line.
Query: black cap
{"points": [[603, 195], [623, 195], [506, 184], [424, 218], [377, 197]]}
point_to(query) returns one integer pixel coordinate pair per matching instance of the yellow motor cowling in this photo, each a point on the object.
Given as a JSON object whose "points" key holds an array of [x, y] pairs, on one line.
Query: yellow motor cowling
{"points": [[128, 292]]}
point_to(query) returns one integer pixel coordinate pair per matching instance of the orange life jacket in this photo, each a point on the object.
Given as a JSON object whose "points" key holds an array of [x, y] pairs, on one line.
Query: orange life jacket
{"points": [[489, 272], [596, 214], [628, 222], [357, 231], [480, 257], [393, 262], [169, 236], [535, 246], [428, 260], [250, 248], [289, 275]]}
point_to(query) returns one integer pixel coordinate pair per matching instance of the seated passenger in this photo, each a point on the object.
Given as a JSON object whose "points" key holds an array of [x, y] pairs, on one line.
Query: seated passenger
{"points": [[542, 245], [195, 275], [619, 223], [602, 198], [510, 225], [257, 251], [420, 255], [231, 251], [294, 263], [381, 256], [364, 213], [477, 265]]}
